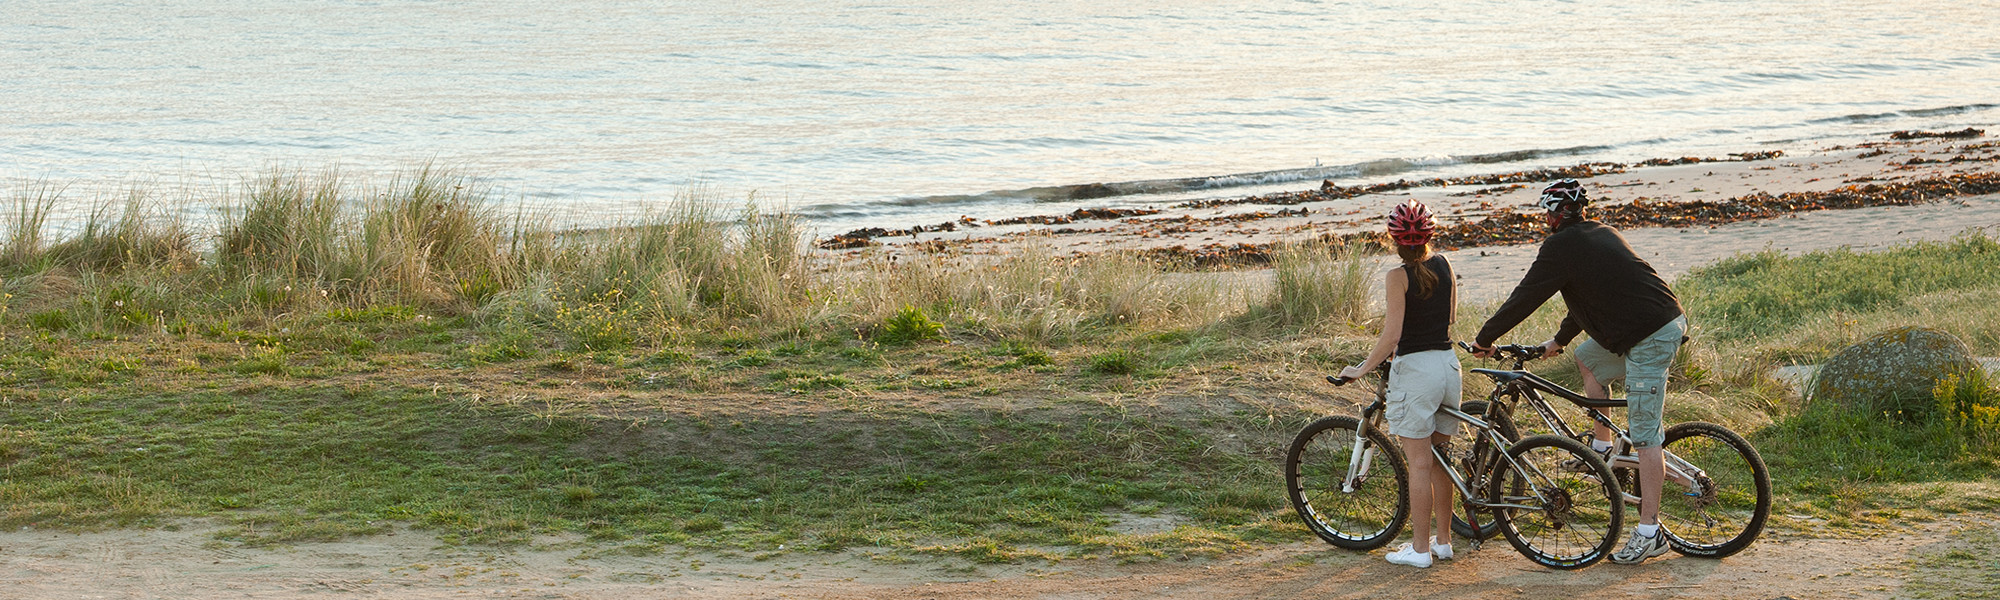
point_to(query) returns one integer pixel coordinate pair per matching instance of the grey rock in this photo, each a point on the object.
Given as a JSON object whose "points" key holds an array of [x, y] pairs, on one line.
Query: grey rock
{"points": [[1893, 370]]}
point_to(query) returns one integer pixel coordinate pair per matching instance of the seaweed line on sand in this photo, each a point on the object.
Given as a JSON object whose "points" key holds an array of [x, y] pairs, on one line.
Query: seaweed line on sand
{"points": [[1330, 191], [1327, 191], [1505, 227]]}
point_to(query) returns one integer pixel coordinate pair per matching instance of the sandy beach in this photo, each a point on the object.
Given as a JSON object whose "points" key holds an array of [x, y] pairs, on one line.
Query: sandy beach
{"points": [[1907, 190]]}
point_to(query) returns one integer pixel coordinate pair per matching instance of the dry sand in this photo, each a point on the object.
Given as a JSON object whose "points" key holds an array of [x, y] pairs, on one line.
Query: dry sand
{"points": [[1878, 162], [1490, 272], [188, 563]]}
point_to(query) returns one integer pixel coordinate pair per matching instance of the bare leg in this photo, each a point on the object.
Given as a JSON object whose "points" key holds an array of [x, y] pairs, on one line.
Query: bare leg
{"points": [[1441, 494], [1652, 470], [1422, 466], [1592, 388]]}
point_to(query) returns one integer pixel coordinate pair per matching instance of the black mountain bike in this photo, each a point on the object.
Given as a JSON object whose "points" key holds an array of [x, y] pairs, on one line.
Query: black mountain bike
{"points": [[1556, 501], [1718, 491]]}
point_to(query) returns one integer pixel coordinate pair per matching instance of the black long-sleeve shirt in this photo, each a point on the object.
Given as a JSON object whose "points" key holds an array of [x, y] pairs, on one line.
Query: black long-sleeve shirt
{"points": [[1611, 293]]}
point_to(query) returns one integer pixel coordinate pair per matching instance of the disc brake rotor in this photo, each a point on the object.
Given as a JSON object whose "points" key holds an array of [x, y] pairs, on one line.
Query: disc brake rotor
{"points": [[1557, 503]]}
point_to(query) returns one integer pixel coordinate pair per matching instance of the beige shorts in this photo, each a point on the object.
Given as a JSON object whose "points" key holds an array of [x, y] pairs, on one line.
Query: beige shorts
{"points": [[1418, 384]]}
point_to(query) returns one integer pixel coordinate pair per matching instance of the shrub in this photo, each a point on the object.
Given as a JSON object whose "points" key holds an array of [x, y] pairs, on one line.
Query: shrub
{"points": [[117, 235], [52, 320], [265, 361], [1116, 362], [288, 224], [909, 325], [1023, 356], [23, 247], [603, 322], [1318, 283], [1970, 405]]}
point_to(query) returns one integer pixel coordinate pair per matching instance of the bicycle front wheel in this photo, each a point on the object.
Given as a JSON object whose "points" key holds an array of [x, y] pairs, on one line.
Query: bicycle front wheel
{"points": [[1720, 512], [1359, 513], [1556, 502]]}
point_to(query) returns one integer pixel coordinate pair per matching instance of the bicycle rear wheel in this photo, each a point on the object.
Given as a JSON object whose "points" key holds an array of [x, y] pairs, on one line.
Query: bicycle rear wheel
{"points": [[1466, 447], [1722, 512], [1556, 503], [1363, 517]]}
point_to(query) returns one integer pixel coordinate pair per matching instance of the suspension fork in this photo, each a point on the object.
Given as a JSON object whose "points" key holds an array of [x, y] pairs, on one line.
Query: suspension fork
{"points": [[1362, 456]]}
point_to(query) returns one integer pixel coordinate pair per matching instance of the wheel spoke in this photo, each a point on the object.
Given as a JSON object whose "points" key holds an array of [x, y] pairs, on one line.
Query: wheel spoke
{"points": [[1574, 515], [1725, 507], [1315, 468]]}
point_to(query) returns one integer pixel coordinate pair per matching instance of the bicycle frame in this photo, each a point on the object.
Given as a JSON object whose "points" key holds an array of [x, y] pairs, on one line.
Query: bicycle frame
{"points": [[1362, 456], [1530, 387]]}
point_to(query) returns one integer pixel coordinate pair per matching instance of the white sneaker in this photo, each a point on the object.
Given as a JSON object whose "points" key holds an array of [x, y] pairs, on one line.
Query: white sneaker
{"points": [[1406, 555], [1441, 551], [1638, 548]]}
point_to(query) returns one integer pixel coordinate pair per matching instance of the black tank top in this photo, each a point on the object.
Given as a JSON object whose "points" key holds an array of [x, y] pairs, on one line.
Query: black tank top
{"points": [[1427, 321]]}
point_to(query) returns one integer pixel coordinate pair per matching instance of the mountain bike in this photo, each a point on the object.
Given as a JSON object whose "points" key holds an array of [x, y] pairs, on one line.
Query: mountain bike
{"points": [[1350, 483], [1723, 487]]}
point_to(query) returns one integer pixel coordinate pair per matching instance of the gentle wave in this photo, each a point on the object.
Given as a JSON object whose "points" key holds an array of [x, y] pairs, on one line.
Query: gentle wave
{"points": [[1921, 112], [1386, 167]]}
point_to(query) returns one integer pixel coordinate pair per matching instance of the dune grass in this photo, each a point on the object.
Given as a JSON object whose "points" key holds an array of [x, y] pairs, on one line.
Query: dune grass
{"points": [[155, 370], [432, 240], [334, 358]]}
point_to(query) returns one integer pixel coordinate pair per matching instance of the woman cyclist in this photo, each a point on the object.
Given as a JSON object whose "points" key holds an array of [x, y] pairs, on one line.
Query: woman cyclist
{"points": [[1425, 375]]}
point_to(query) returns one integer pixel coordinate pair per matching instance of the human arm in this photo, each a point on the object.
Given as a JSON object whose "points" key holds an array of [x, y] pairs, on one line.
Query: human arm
{"points": [[1545, 277], [1566, 332], [1394, 284]]}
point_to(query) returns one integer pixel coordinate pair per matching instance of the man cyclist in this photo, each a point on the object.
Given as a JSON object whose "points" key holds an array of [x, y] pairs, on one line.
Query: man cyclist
{"points": [[1635, 324]]}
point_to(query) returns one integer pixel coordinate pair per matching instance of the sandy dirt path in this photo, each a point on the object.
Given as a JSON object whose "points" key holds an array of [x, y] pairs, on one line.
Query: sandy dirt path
{"points": [[189, 563]]}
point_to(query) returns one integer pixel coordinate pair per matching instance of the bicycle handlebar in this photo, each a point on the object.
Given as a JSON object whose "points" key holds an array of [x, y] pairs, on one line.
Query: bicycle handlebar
{"points": [[1381, 369], [1516, 352]]}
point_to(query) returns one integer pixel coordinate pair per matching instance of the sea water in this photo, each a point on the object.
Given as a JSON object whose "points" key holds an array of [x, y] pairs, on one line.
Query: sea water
{"points": [[894, 113]]}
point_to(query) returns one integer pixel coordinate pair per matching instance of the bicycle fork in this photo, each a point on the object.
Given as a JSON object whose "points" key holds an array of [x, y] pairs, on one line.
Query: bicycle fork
{"points": [[1358, 460]]}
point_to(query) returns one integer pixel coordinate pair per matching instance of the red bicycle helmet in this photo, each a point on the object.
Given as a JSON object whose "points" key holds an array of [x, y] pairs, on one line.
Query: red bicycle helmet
{"points": [[1411, 224]]}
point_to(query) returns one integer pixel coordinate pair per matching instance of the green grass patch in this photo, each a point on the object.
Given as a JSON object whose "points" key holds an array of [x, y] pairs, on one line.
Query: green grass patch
{"points": [[323, 462], [1115, 362], [1767, 293]]}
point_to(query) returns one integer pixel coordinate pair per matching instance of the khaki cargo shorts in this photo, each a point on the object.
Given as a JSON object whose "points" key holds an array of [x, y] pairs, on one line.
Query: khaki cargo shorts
{"points": [[1418, 384]]}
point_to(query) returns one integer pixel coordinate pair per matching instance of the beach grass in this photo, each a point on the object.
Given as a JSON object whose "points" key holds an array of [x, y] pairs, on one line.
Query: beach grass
{"points": [[339, 359]]}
